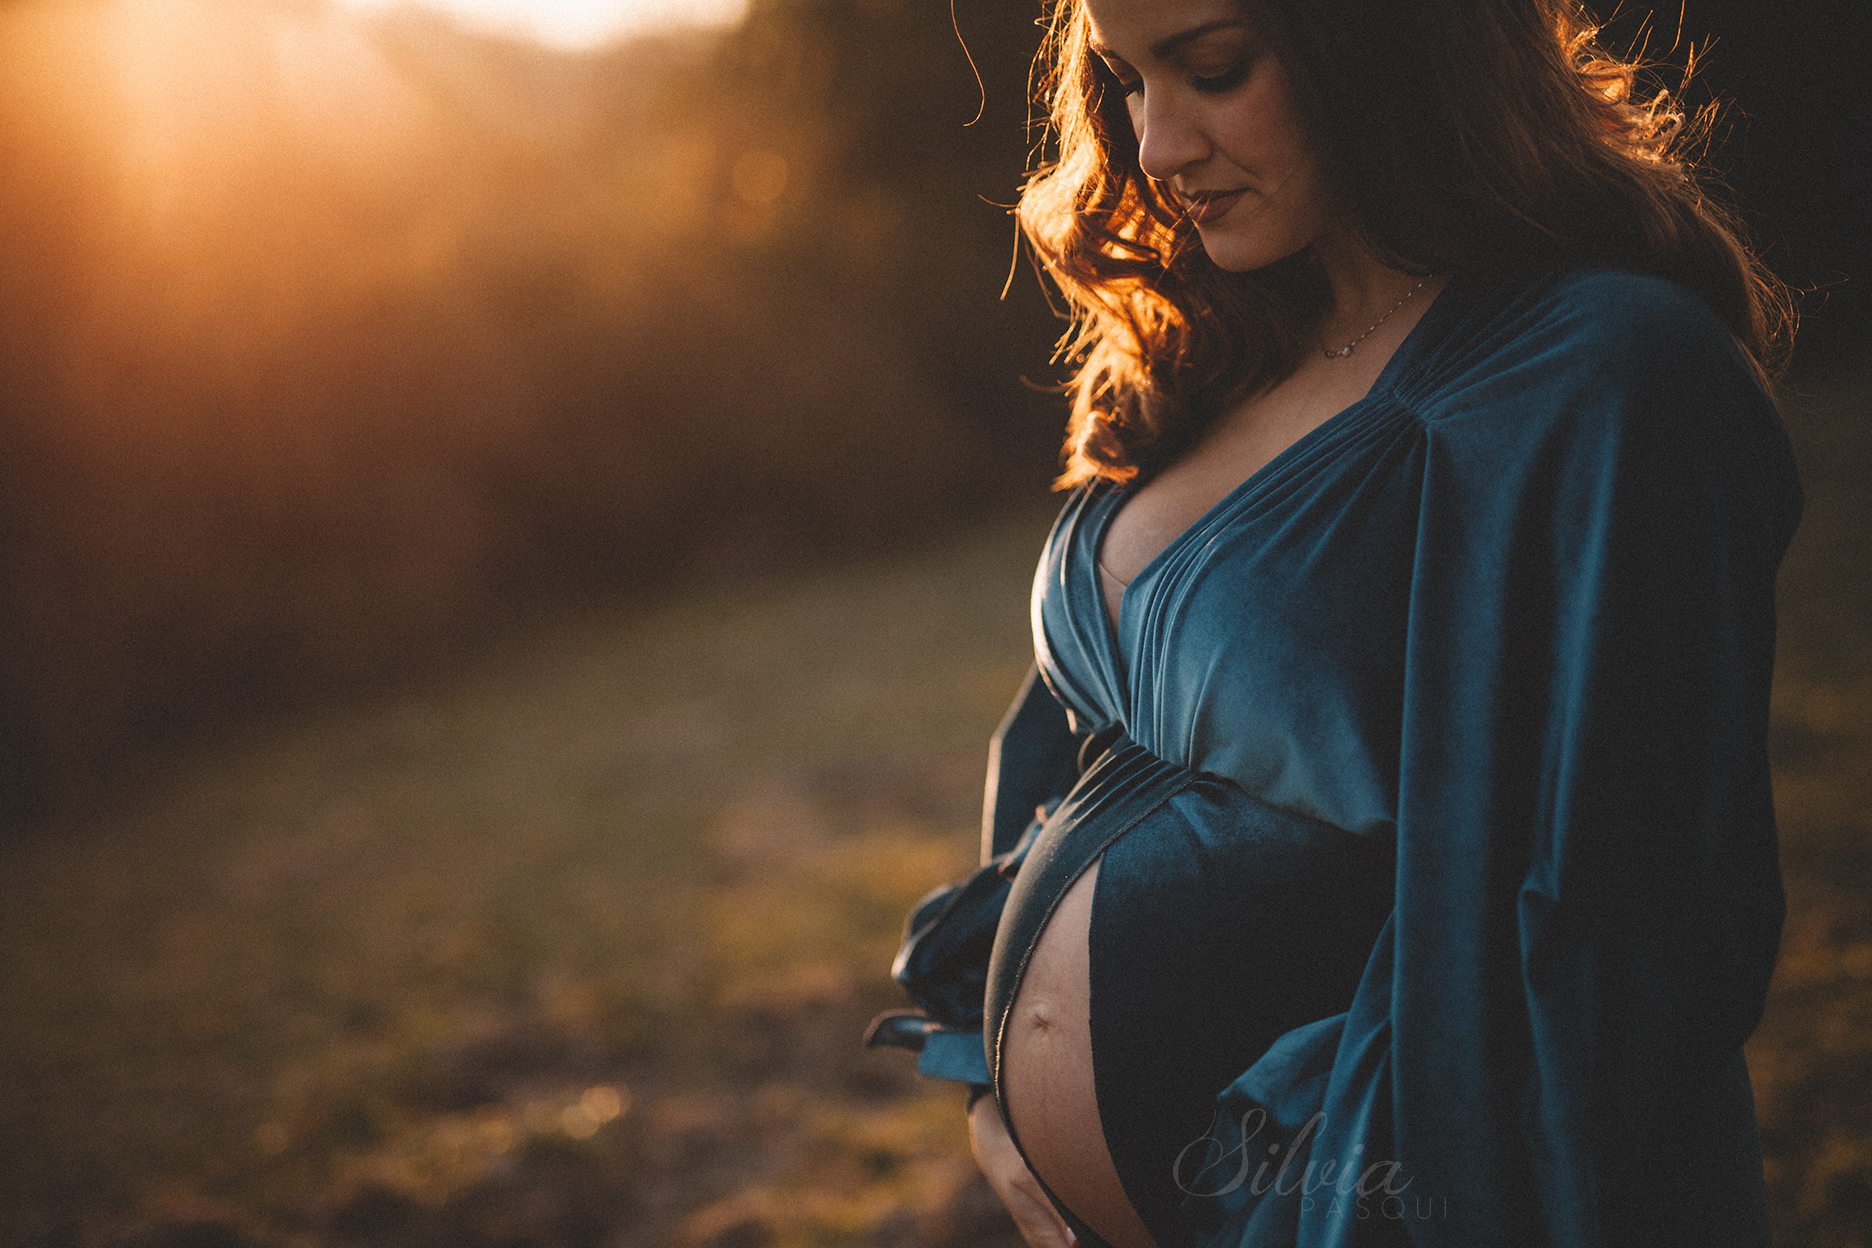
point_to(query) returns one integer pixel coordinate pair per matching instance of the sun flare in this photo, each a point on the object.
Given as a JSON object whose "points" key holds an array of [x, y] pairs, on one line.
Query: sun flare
{"points": [[574, 24]]}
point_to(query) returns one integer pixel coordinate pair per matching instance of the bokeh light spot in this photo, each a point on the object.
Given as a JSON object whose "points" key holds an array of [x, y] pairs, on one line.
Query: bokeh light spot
{"points": [[605, 1102]]}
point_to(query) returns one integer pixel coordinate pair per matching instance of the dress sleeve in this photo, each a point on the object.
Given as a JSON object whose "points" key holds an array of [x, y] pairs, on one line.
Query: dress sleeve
{"points": [[1545, 1047]]}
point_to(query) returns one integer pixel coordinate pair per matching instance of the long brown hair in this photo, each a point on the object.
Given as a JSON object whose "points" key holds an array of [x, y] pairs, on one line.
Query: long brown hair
{"points": [[1456, 134]]}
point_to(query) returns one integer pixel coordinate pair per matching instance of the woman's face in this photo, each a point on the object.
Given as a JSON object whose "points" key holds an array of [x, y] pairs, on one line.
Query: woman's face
{"points": [[1215, 120]]}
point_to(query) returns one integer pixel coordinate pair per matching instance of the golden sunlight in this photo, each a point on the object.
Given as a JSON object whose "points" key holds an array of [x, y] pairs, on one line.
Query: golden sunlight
{"points": [[574, 24]]}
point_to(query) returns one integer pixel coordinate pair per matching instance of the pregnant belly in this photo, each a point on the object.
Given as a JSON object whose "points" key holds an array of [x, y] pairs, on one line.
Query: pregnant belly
{"points": [[1204, 924], [1047, 1075]]}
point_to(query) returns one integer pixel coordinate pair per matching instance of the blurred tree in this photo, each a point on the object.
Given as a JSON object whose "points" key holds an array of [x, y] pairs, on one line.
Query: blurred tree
{"points": [[330, 344]]}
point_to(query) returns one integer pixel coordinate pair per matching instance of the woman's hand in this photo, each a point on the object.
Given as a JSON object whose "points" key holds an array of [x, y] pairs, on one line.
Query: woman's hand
{"points": [[1040, 1224]]}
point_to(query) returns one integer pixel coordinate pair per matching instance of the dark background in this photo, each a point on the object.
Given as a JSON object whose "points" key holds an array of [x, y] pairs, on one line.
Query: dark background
{"points": [[1796, 146]]}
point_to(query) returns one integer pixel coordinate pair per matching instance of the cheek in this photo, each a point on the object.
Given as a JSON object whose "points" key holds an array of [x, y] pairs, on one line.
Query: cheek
{"points": [[1262, 123], [1269, 123]]}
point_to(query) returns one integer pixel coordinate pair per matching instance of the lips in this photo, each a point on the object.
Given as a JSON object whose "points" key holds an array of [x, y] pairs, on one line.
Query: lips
{"points": [[1210, 206]]}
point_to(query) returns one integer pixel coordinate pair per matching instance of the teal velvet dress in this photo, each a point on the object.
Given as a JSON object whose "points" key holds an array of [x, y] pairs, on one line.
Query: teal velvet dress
{"points": [[1428, 771]]}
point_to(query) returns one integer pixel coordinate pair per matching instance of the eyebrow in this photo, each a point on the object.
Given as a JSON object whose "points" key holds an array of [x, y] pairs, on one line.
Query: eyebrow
{"points": [[1166, 47]]}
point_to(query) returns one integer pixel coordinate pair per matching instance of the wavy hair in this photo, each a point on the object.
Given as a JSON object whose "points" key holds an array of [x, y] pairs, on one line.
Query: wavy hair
{"points": [[1455, 134]]}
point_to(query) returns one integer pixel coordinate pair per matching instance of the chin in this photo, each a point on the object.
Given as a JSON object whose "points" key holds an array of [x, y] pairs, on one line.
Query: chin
{"points": [[1239, 256], [1245, 250]]}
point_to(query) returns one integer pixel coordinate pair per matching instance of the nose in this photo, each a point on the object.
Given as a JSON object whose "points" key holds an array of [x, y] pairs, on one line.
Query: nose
{"points": [[1170, 139]]}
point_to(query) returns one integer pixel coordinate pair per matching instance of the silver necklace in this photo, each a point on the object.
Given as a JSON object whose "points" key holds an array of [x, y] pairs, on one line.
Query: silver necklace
{"points": [[1346, 350]]}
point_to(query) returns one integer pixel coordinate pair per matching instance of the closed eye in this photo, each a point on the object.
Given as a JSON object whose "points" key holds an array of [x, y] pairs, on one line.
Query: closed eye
{"points": [[1208, 84], [1111, 77], [1218, 83]]}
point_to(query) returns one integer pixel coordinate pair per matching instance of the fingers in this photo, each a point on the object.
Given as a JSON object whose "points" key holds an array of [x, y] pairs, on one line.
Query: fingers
{"points": [[1039, 1224], [1034, 1215]]}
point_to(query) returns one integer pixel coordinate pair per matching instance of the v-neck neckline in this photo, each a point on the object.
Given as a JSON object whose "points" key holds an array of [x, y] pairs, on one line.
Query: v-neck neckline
{"points": [[1428, 329]]}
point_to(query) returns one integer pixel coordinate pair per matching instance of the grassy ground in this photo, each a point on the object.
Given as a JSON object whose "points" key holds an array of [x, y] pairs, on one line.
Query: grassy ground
{"points": [[575, 950]]}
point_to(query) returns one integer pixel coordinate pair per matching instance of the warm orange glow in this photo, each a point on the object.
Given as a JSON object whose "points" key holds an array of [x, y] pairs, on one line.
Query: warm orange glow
{"points": [[575, 24], [195, 114], [303, 222], [250, 173], [261, 259], [322, 330]]}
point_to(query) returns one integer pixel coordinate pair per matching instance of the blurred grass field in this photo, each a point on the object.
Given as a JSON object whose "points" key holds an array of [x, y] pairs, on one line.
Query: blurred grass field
{"points": [[575, 947], [574, 950]]}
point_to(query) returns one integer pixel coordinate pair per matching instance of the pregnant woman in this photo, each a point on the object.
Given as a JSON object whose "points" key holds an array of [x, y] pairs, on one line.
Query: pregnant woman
{"points": [[1384, 851]]}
